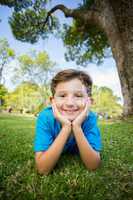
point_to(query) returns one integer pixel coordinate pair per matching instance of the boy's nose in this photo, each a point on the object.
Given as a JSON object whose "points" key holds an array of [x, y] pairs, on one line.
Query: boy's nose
{"points": [[70, 101]]}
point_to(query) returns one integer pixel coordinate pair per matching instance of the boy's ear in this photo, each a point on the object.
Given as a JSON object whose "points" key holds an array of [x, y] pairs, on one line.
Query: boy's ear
{"points": [[92, 100]]}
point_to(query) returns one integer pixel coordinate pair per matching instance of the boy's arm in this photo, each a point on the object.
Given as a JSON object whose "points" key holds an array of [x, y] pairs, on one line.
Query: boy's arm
{"points": [[89, 156], [45, 161]]}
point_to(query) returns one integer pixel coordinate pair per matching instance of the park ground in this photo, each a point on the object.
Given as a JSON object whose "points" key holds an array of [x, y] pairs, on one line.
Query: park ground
{"points": [[70, 180]]}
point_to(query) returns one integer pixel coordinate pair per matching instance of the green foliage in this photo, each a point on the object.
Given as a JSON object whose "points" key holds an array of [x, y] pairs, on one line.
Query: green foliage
{"points": [[70, 180], [26, 26], [34, 67], [26, 96], [20, 5], [29, 97], [28, 23], [85, 43], [105, 102], [17, 4], [5, 50], [3, 93]]}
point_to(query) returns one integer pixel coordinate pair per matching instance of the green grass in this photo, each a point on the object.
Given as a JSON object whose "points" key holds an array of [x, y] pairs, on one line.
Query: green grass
{"points": [[70, 180]]}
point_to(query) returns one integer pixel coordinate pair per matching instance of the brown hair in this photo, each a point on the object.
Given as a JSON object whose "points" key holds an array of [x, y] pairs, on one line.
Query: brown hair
{"points": [[69, 74]]}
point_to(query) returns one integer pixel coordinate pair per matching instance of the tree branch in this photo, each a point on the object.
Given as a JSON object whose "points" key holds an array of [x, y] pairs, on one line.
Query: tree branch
{"points": [[74, 13]]}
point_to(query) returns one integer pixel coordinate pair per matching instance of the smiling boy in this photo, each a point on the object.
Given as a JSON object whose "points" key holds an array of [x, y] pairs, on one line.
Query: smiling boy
{"points": [[68, 125]]}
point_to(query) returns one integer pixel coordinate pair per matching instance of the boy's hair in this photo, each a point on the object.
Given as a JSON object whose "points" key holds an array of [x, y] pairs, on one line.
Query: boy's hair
{"points": [[69, 74]]}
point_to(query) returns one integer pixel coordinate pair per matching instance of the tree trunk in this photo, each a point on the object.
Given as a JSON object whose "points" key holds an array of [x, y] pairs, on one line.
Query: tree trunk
{"points": [[116, 19], [123, 11]]}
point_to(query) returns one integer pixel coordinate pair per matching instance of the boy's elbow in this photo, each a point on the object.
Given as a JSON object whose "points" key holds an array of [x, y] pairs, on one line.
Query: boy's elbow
{"points": [[46, 173], [43, 171], [94, 166]]}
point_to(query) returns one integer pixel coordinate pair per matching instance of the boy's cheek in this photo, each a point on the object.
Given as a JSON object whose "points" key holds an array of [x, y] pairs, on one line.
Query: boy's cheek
{"points": [[58, 104], [83, 103], [86, 101], [56, 101]]}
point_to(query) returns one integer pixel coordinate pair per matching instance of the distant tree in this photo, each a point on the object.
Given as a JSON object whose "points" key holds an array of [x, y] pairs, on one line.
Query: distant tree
{"points": [[6, 54], [106, 102], [3, 93], [25, 97], [35, 68]]}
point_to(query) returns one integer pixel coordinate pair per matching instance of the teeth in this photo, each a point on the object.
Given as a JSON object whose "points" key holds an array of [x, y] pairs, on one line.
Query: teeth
{"points": [[69, 111]]}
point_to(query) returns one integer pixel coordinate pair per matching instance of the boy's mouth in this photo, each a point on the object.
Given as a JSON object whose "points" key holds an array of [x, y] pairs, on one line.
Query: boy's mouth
{"points": [[70, 111]]}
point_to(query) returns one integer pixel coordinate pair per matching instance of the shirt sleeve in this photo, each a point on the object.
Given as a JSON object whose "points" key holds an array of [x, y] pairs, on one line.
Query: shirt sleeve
{"points": [[92, 133], [43, 136]]}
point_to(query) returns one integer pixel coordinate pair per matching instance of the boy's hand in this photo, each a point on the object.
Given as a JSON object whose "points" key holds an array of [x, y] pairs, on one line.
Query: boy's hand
{"points": [[81, 117], [62, 119]]}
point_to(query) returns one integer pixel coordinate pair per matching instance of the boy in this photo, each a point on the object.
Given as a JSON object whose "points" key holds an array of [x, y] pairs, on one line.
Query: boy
{"points": [[68, 125]]}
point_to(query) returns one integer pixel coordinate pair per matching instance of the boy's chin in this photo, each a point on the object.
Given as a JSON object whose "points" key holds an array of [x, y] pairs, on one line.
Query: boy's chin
{"points": [[71, 118]]}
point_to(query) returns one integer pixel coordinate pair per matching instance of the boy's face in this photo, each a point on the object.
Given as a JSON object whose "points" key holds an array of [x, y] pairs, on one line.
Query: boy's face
{"points": [[70, 98]]}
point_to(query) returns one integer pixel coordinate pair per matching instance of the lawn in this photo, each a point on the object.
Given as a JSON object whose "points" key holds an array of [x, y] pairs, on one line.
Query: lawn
{"points": [[70, 180]]}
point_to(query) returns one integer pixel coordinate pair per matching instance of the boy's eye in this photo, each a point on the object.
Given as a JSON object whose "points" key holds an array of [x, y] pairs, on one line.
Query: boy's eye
{"points": [[79, 95], [61, 95]]}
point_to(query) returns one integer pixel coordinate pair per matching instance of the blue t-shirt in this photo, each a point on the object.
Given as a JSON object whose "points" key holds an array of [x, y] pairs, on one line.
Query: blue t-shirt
{"points": [[48, 127]]}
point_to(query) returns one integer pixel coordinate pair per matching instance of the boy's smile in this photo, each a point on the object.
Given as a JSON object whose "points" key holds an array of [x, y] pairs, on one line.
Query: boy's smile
{"points": [[70, 98]]}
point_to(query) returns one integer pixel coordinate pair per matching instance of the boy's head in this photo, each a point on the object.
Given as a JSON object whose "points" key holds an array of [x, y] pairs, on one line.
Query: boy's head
{"points": [[70, 74], [71, 89]]}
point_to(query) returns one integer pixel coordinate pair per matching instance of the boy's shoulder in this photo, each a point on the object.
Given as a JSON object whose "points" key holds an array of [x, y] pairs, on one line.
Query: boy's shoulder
{"points": [[46, 109], [91, 118], [92, 114], [90, 121], [46, 112]]}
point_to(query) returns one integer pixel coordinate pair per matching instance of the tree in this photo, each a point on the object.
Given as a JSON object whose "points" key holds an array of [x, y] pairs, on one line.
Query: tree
{"points": [[97, 25], [6, 54], [105, 102], [24, 98], [35, 68], [3, 93]]}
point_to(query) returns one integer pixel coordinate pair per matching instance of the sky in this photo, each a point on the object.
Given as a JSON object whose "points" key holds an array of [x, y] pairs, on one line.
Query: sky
{"points": [[104, 75]]}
